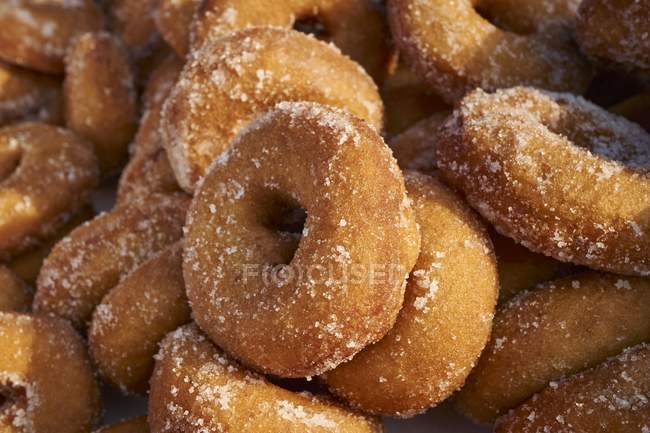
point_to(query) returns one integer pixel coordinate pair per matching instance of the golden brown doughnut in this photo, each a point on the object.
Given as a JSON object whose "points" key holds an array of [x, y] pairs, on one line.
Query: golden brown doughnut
{"points": [[135, 316], [134, 425], [612, 397], [345, 276], [560, 328], [636, 109], [15, 295], [174, 20], [46, 381], [134, 21], [456, 49], [195, 387], [446, 318], [46, 174], [414, 148], [616, 32], [245, 74], [84, 266], [538, 164], [100, 98], [36, 34]]}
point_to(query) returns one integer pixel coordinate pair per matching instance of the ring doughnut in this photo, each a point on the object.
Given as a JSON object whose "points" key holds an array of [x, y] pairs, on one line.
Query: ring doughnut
{"points": [[195, 385], [134, 22], [46, 383], [46, 175], [450, 298], [134, 425], [560, 328], [84, 266], [415, 147], [100, 98], [530, 46], [174, 20], [135, 316], [612, 397], [300, 156], [616, 33], [36, 34], [15, 295], [537, 166], [245, 74]]}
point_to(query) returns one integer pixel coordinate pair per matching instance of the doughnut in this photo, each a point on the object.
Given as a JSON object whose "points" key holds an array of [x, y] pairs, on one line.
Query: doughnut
{"points": [[15, 295], [456, 49], [537, 166], [636, 109], [36, 34], [340, 280], [46, 383], [89, 262], [245, 74], [446, 318], [560, 328], [195, 387], [100, 98], [46, 174], [135, 316], [27, 95], [615, 32], [414, 148], [134, 22], [134, 425], [613, 397], [174, 20]]}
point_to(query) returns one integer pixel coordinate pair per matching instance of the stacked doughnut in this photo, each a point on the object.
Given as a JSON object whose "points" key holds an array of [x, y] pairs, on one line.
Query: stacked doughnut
{"points": [[302, 216]]}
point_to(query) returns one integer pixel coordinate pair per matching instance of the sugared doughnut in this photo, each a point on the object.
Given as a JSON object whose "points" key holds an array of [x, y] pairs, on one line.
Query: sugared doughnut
{"points": [[560, 328], [27, 95], [135, 316], [616, 32], [15, 295], [456, 49], [46, 383], [46, 174], [195, 387], [636, 109], [174, 20], [134, 22], [36, 34], [414, 148], [295, 301], [245, 74], [538, 166], [612, 397], [84, 266], [99, 95], [134, 425], [446, 318]]}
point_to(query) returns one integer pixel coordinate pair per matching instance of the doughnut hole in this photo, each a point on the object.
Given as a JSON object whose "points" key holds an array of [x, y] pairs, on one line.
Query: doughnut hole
{"points": [[11, 396], [9, 161], [312, 24], [285, 217], [492, 17]]}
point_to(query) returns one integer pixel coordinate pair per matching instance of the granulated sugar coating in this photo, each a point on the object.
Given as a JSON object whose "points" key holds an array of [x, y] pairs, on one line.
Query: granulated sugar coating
{"points": [[560, 328], [297, 303], [46, 174], [458, 50], [613, 397], [35, 34], [89, 262], [173, 21], [231, 80], [554, 172], [15, 294], [46, 380], [134, 22], [196, 388], [446, 318]]}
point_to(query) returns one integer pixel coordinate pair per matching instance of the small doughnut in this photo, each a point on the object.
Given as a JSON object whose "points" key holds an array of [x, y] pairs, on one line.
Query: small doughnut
{"points": [[135, 316], [615, 32], [46, 174], [15, 295], [84, 266], [245, 74], [36, 34], [195, 387], [537, 166], [612, 397], [446, 318], [134, 425], [636, 109], [134, 22], [100, 98], [456, 49], [335, 167], [174, 20], [46, 383], [560, 328], [27, 95], [414, 148]]}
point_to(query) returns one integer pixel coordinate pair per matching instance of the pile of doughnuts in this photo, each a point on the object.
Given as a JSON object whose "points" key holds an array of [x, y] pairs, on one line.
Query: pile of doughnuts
{"points": [[306, 215]]}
